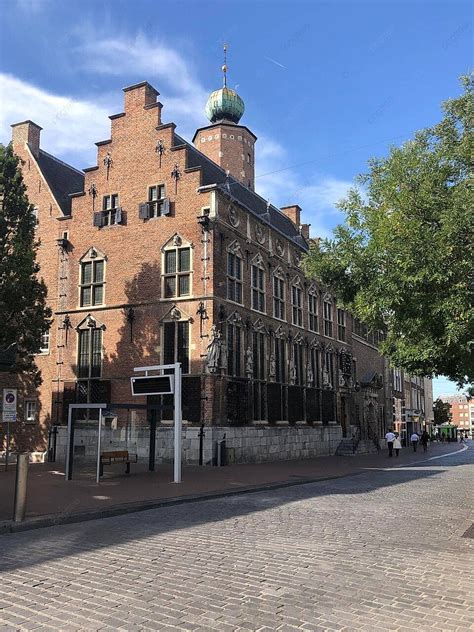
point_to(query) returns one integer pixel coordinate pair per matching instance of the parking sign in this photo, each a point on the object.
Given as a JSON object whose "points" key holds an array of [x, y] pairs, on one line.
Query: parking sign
{"points": [[9, 405]]}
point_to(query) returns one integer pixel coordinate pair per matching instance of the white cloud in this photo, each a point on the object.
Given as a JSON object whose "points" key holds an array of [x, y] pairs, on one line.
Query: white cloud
{"points": [[145, 58], [317, 195], [70, 126], [73, 125]]}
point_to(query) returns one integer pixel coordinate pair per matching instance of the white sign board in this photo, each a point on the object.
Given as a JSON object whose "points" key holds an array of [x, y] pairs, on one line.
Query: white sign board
{"points": [[9, 405]]}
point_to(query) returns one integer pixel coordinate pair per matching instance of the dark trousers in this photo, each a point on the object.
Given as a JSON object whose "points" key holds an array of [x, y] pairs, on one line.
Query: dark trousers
{"points": [[414, 444], [397, 451], [425, 447], [390, 448]]}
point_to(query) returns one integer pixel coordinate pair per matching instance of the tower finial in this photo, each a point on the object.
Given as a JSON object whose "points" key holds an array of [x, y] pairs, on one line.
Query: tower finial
{"points": [[224, 67]]}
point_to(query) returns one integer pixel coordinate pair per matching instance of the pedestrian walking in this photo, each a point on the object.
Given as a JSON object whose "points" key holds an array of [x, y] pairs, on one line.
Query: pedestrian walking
{"points": [[424, 440], [390, 438], [414, 441], [397, 445]]}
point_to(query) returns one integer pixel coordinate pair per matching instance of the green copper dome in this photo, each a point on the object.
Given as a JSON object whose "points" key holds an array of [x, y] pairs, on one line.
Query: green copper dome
{"points": [[224, 105]]}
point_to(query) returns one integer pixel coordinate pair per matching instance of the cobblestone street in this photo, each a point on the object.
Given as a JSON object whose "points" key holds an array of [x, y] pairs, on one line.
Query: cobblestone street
{"points": [[382, 550]]}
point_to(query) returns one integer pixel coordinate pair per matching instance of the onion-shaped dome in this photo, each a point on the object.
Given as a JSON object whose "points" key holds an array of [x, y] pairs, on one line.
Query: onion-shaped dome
{"points": [[224, 105]]}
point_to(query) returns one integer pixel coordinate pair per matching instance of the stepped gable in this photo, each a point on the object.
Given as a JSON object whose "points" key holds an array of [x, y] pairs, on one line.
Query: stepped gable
{"points": [[213, 174], [61, 178]]}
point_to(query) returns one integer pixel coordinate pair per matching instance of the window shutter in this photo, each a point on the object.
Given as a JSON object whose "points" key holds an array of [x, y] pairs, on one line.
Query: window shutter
{"points": [[98, 217], [119, 215], [143, 211], [165, 207]]}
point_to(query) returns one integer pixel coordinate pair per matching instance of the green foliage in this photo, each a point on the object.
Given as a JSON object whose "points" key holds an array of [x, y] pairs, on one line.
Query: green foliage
{"points": [[403, 260], [442, 412], [24, 316]]}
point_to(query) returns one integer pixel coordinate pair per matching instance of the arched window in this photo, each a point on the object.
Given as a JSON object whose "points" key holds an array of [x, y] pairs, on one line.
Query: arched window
{"points": [[234, 344], [175, 333]]}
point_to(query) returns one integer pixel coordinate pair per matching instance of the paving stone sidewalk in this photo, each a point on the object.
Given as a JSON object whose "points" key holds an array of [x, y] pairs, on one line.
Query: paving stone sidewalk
{"points": [[382, 550], [50, 495]]}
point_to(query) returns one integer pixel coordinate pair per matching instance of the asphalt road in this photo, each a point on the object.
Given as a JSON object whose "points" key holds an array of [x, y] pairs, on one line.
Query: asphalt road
{"points": [[382, 550]]}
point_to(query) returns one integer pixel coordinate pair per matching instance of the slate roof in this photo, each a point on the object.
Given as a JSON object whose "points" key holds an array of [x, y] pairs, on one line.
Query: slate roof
{"points": [[61, 178], [213, 174]]}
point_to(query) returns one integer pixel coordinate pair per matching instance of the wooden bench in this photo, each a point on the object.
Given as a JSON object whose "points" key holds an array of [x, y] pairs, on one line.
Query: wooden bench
{"points": [[117, 456]]}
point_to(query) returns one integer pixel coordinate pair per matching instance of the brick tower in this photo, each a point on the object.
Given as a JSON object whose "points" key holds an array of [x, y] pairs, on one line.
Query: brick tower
{"points": [[230, 145]]}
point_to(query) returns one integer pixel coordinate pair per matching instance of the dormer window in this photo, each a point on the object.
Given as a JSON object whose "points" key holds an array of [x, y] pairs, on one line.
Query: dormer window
{"points": [[111, 213], [158, 204]]}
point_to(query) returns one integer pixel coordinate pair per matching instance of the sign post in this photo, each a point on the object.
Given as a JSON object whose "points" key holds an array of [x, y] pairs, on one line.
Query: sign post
{"points": [[162, 383], [9, 415]]}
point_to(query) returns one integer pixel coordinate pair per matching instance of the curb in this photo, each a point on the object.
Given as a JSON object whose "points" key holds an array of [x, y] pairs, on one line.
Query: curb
{"points": [[53, 520]]}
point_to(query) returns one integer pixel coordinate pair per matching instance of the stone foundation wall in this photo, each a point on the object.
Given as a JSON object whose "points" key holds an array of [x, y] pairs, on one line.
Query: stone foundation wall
{"points": [[244, 444]]}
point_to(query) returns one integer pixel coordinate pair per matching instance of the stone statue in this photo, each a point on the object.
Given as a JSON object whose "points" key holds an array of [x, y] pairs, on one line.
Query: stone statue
{"points": [[249, 362], [309, 375], [214, 349], [272, 369], [342, 380], [292, 371], [326, 380]]}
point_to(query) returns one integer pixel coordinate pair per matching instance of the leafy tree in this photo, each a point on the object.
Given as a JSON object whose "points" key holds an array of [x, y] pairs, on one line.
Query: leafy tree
{"points": [[24, 316], [403, 259], [442, 412]]}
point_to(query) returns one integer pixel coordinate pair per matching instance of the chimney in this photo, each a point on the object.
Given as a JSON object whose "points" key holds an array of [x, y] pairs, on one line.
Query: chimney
{"points": [[293, 212], [305, 231], [140, 95], [28, 133]]}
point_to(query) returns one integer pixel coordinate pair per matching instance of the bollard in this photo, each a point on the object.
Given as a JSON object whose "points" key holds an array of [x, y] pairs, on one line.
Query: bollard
{"points": [[19, 510]]}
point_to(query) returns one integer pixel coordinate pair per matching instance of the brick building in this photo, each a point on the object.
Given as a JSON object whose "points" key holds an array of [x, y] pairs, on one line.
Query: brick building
{"points": [[163, 252], [462, 411]]}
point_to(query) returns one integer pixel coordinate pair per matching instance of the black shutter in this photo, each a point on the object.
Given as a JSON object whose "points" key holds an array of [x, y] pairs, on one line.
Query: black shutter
{"points": [[98, 219], [143, 211], [118, 215], [165, 206]]}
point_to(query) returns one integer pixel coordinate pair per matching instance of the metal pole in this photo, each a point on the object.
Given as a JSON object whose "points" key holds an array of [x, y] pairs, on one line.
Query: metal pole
{"points": [[178, 422], [19, 510], [201, 444], [97, 477], [7, 452], [55, 439], [70, 447], [151, 451]]}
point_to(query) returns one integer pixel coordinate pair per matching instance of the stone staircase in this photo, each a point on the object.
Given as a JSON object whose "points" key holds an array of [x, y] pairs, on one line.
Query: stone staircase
{"points": [[349, 447]]}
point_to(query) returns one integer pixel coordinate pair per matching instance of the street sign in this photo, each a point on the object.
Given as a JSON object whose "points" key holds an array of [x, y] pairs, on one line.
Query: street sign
{"points": [[9, 405], [153, 385]]}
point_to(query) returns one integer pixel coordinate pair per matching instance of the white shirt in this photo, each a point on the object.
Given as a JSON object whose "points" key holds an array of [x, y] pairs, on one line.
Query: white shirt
{"points": [[389, 437], [414, 437]]}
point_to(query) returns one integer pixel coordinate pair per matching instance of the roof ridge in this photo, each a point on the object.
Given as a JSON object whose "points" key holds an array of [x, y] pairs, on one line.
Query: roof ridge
{"points": [[61, 162]]}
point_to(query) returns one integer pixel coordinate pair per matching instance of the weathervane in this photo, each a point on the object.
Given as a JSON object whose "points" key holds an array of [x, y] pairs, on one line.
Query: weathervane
{"points": [[224, 66]]}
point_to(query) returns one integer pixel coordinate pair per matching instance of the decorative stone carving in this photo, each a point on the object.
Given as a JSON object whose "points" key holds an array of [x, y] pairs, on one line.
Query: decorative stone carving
{"points": [[248, 362], [292, 371], [279, 247], [175, 314], [214, 349], [272, 368], [326, 379], [296, 259], [309, 375], [234, 218], [177, 241], [259, 234]]}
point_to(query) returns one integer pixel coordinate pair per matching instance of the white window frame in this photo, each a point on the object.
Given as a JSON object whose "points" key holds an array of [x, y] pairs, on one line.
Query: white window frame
{"points": [[341, 324], [328, 311], [109, 212], [155, 205], [93, 283], [44, 348], [28, 418]]}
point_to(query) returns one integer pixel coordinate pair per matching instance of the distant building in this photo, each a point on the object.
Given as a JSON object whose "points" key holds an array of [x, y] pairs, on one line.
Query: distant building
{"points": [[462, 411]]}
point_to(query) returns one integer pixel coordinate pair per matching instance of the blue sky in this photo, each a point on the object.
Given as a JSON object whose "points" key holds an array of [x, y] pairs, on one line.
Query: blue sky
{"points": [[326, 85]]}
